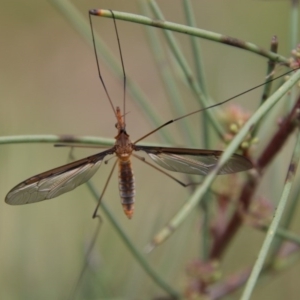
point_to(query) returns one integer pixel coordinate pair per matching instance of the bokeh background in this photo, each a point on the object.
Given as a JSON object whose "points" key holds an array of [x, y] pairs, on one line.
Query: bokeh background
{"points": [[49, 85]]}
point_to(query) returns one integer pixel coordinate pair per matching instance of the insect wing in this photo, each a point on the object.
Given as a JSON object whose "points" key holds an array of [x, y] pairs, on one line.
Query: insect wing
{"points": [[57, 181], [194, 161]]}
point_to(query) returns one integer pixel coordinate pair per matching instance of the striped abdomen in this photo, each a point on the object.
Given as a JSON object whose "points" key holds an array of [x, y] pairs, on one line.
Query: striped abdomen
{"points": [[126, 187]]}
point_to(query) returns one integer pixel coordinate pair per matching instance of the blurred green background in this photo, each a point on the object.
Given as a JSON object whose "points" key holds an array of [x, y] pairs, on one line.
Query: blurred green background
{"points": [[49, 85]]}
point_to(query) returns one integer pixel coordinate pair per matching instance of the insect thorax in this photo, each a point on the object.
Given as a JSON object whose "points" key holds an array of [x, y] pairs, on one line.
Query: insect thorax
{"points": [[123, 146]]}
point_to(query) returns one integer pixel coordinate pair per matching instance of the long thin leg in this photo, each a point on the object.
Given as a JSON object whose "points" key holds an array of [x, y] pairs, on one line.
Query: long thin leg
{"points": [[98, 65], [71, 157], [122, 63], [93, 241], [211, 106], [92, 13], [143, 159], [104, 189]]}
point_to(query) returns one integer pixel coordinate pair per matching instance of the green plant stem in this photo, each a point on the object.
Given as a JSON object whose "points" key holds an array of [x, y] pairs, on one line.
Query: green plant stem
{"points": [[53, 139], [205, 34], [269, 76], [291, 209], [137, 255], [197, 56], [274, 225], [294, 27], [276, 143], [189, 76], [283, 234], [168, 79], [196, 198], [270, 70], [237, 280], [197, 52]]}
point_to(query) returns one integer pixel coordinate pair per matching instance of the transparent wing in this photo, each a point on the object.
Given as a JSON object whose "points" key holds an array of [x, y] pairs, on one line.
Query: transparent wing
{"points": [[57, 181], [194, 161]]}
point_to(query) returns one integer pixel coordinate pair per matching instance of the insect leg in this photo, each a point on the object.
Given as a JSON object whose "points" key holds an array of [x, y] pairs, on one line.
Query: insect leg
{"points": [[104, 189], [143, 159]]}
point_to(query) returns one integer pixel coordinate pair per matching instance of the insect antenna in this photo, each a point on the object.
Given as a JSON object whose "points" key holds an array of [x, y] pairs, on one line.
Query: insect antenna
{"points": [[211, 106]]}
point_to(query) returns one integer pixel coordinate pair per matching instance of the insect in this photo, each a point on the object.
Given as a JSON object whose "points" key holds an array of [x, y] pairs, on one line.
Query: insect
{"points": [[55, 182]]}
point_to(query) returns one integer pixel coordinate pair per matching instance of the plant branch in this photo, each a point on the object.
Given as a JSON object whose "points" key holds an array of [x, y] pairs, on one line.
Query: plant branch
{"points": [[280, 137]]}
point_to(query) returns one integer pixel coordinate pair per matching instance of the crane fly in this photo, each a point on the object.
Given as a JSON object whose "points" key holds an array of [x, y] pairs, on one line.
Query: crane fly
{"points": [[55, 182]]}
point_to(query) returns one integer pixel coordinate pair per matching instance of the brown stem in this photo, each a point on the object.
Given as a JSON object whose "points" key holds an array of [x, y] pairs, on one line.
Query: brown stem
{"points": [[233, 282], [280, 137]]}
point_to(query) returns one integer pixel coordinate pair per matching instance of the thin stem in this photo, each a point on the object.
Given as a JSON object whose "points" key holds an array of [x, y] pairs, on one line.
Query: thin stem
{"points": [[269, 77], [274, 146], [128, 243], [205, 34], [167, 78], [270, 70], [294, 29], [274, 225], [54, 139], [283, 234], [196, 198], [197, 56], [189, 76]]}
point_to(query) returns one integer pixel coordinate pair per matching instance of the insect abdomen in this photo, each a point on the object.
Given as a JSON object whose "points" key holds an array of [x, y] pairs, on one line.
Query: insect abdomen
{"points": [[126, 187]]}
